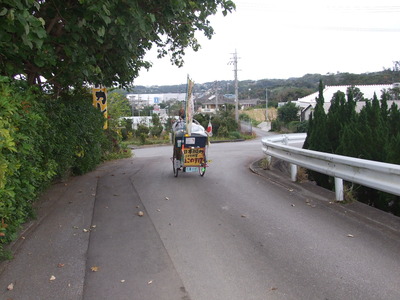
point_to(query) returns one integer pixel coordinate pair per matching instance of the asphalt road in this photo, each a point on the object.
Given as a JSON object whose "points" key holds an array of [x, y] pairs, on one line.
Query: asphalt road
{"points": [[231, 234]]}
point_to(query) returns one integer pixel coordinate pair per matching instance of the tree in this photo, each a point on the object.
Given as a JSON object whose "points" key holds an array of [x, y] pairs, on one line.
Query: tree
{"points": [[319, 133], [69, 42], [288, 113], [118, 106], [157, 128], [317, 136], [142, 132], [334, 120]]}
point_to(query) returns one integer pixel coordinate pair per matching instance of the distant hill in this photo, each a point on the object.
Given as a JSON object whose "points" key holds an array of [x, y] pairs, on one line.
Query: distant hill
{"points": [[278, 89]]}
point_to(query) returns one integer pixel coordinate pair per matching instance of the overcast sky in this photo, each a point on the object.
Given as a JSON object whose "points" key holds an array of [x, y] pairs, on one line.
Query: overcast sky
{"points": [[289, 38]]}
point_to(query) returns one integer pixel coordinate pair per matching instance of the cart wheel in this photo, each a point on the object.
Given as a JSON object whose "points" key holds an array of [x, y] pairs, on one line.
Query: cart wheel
{"points": [[174, 165], [202, 168]]}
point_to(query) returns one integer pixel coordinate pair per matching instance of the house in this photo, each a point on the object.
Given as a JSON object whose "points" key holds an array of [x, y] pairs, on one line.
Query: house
{"points": [[210, 104], [308, 103]]}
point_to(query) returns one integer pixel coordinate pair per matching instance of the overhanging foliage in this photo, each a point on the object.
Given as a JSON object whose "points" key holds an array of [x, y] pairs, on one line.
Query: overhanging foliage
{"points": [[71, 42]]}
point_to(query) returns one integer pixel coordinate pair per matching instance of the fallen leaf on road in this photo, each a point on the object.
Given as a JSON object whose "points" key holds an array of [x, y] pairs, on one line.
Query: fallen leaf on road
{"points": [[60, 265], [140, 214], [274, 289], [93, 226], [94, 269], [52, 278], [350, 235], [243, 216], [150, 282], [10, 287], [85, 230], [123, 280], [166, 198]]}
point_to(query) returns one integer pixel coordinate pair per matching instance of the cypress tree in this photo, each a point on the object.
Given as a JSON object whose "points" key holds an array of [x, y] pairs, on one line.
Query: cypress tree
{"points": [[350, 141], [350, 106], [318, 137], [393, 120], [393, 124], [378, 127], [384, 107], [335, 120], [306, 144]]}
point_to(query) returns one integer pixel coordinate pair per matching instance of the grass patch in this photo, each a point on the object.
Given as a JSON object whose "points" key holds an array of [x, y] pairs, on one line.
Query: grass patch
{"points": [[265, 164], [302, 175]]}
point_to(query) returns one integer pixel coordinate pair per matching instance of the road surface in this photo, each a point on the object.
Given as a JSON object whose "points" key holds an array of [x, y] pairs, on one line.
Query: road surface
{"points": [[231, 234]]}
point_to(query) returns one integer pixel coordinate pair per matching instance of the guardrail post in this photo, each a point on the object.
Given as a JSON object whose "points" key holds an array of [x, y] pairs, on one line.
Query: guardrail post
{"points": [[339, 189], [293, 172]]}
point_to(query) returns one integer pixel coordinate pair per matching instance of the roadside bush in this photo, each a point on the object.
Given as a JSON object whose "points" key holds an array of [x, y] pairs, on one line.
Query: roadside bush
{"points": [[302, 127], [276, 125], [76, 141], [223, 131], [42, 139], [234, 135], [24, 170], [157, 128], [142, 132]]}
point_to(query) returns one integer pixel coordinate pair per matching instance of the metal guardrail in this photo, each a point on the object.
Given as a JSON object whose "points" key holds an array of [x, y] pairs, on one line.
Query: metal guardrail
{"points": [[381, 176]]}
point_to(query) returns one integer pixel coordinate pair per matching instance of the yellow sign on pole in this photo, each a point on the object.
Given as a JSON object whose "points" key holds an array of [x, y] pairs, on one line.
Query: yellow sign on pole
{"points": [[100, 101]]}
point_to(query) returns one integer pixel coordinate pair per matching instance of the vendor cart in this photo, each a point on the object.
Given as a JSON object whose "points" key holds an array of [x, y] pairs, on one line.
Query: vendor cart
{"points": [[189, 151]]}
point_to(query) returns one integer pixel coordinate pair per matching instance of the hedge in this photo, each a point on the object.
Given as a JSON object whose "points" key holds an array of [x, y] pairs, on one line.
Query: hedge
{"points": [[43, 139]]}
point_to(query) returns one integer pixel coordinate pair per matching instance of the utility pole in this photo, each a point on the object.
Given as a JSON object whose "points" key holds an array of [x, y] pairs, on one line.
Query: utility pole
{"points": [[216, 96], [234, 62], [266, 105]]}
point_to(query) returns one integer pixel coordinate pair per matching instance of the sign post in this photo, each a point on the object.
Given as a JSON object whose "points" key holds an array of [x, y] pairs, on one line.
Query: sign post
{"points": [[100, 101]]}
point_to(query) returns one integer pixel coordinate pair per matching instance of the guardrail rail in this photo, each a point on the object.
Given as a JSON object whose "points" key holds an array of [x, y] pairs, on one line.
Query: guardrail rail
{"points": [[378, 175]]}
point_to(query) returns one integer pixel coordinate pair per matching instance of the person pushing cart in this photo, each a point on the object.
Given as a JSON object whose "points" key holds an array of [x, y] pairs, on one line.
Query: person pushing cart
{"points": [[190, 141]]}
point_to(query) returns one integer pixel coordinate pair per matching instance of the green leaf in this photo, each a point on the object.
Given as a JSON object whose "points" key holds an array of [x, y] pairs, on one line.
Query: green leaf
{"points": [[106, 19], [11, 15], [42, 21], [26, 27], [27, 41], [101, 31], [3, 12]]}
